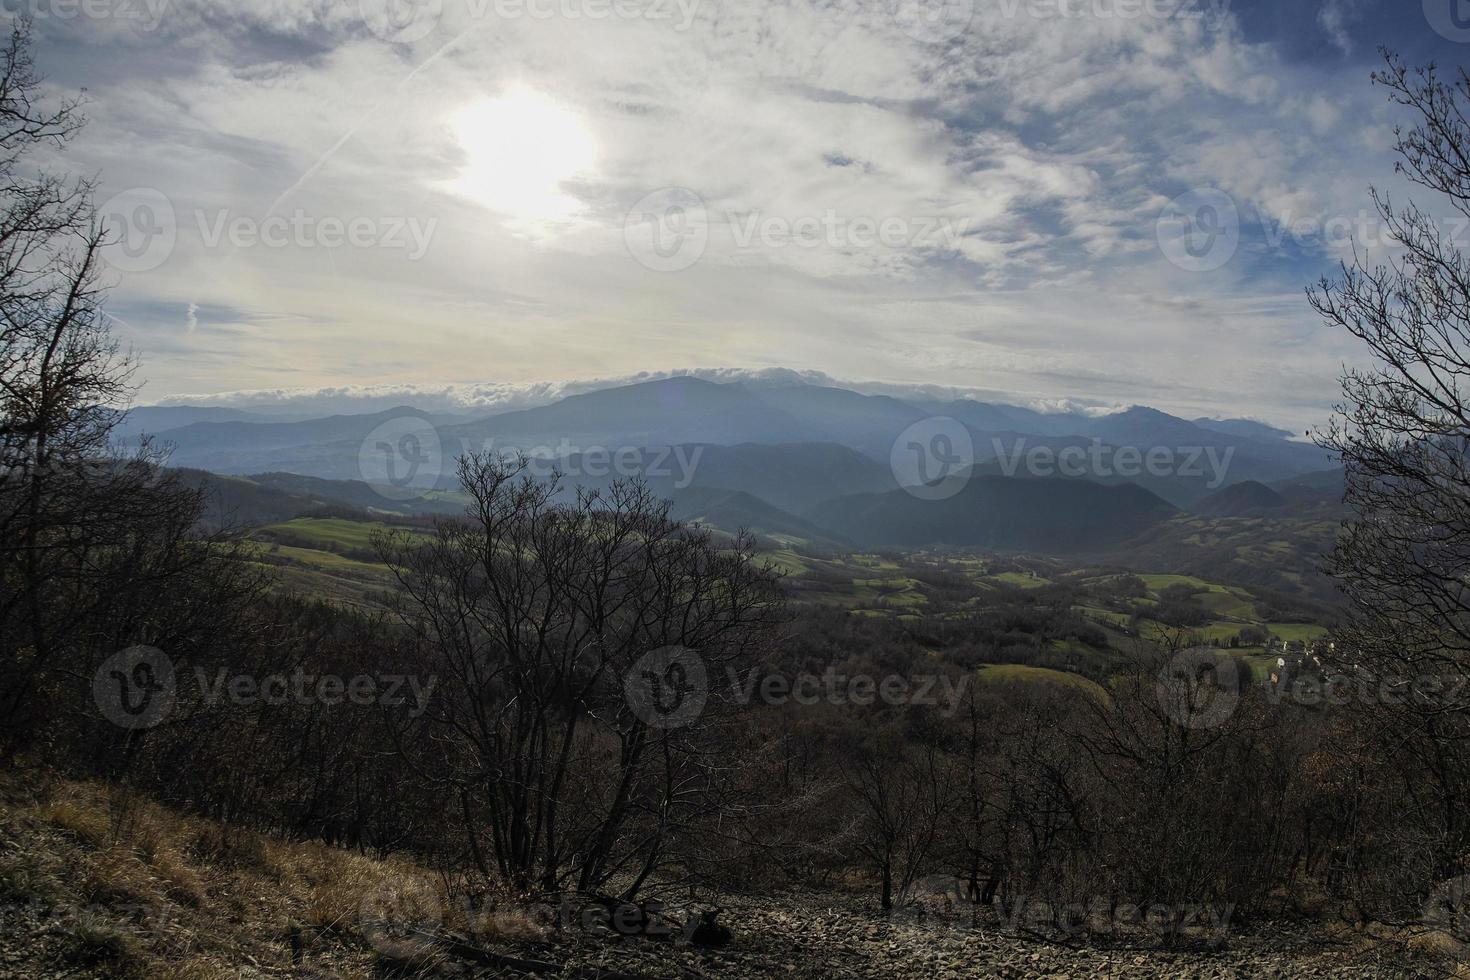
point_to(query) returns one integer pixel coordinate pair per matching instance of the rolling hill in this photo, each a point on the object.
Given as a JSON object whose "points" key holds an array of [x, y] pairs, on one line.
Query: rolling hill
{"points": [[1052, 516], [1246, 499]]}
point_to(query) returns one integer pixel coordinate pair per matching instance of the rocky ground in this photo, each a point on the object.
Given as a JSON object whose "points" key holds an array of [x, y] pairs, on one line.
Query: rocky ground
{"points": [[811, 935], [174, 897], [831, 935]]}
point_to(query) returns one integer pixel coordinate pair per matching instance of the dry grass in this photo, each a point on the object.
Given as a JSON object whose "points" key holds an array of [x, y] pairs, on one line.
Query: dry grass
{"points": [[143, 890], [23, 878], [86, 823], [95, 940]]}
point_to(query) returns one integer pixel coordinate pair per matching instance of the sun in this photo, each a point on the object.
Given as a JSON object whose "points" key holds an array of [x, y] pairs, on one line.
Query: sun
{"points": [[520, 148]]}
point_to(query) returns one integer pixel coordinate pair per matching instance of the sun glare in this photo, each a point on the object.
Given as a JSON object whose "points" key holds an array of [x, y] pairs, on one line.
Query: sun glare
{"points": [[520, 148]]}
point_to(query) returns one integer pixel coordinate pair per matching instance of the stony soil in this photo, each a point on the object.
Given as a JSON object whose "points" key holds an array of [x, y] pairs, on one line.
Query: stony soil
{"points": [[833, 935]]}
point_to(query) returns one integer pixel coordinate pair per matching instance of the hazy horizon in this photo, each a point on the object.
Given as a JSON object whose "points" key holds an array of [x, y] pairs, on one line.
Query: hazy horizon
{"points": [[495, 397]]}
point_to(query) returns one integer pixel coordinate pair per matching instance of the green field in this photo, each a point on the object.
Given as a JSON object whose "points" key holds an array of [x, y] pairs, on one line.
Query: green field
{"points": [[319, 531], [327, 560], [1108, 616], [786, 561], [332, 558], [1019, 580], [306, 557], [1022, 674]]}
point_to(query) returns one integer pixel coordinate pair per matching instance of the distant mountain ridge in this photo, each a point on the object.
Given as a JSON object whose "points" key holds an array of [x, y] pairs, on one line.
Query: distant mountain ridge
{"points": [[808, 456], [688, 411], [1247, 499]]}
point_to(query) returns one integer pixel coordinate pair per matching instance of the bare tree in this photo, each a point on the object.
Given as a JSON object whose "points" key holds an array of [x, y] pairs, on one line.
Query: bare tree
{"points": [[536, 611], [901, 795], [1402, 432], [80, 522]]}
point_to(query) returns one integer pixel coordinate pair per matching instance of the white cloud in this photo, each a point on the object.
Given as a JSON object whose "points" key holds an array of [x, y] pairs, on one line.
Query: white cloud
{"points": [[1335, 18], [1037, 151]]}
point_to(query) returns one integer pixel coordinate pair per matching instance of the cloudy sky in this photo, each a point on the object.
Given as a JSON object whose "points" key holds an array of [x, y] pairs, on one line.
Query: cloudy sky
{"points": [[1115, 201]]}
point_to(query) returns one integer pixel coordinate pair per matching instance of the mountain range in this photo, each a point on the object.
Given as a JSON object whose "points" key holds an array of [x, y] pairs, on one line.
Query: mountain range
{"points": [[801, 459]]}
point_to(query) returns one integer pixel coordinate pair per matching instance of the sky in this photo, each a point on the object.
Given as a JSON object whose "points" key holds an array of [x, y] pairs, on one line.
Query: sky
{"points": [[1095, 202]]}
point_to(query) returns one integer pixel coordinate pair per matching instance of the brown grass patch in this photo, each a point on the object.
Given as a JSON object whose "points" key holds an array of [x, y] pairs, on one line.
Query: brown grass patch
{"points": [[152, 892]]}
